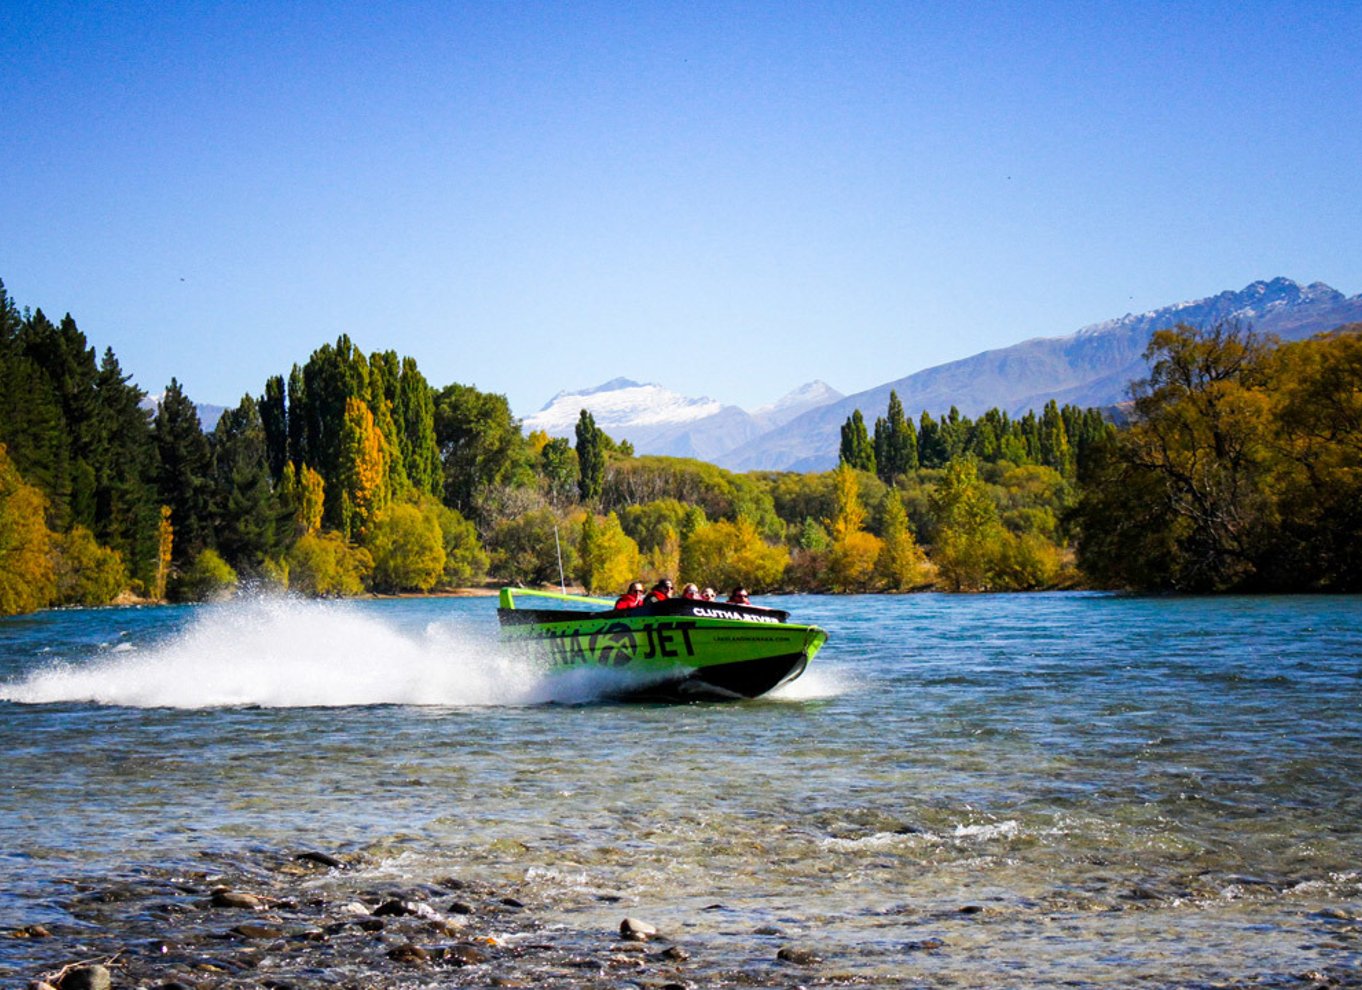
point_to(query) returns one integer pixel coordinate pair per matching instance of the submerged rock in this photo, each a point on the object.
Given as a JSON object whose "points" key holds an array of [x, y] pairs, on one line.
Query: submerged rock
{"points": [[87, 978], [799, 956], [412, 955], [321, 859], [637, 931]]}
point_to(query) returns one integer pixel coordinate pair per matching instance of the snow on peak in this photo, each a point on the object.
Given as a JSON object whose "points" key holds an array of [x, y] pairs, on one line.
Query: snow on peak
{"points": [[618, 405], [807, 396]]}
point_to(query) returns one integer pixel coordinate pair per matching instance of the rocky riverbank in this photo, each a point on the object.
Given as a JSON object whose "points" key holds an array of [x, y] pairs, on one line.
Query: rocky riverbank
{"points": [[291, 920]]}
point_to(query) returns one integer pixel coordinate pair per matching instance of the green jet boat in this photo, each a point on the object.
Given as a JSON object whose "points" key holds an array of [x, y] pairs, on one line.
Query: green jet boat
{"points": [[676, 650]]}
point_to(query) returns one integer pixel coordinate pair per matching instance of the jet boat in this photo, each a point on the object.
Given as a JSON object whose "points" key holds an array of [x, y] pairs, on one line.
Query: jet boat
{"points": [[676, 650]]}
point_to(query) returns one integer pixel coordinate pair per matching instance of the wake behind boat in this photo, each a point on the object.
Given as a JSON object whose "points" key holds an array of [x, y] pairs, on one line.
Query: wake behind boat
{"points": [[678, 649]]}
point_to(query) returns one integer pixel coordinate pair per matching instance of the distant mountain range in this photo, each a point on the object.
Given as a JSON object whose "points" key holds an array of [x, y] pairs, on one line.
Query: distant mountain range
{"points": [[208, 414], [801, 432], [657, 420]]}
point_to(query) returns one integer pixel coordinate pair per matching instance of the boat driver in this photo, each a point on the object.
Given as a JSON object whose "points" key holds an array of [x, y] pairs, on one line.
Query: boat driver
{"points": [[632, 598], [661, 592], [739, 597]]}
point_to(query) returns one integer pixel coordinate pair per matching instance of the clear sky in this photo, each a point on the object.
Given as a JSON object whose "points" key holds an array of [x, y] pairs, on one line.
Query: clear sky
{"points": [[727, 199]]}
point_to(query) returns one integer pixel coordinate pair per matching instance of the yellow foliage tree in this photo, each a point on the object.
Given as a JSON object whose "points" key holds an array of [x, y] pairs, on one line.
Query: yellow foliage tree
{"points": [[27, 577], [726, 554], [165, 545], [364, 491], [851, 560], [408, 549], [87, 573], [324, 564], [901, 564], [607, 559]]}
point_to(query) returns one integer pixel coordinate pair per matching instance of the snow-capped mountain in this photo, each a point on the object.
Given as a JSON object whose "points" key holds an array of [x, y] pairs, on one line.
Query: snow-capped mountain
{"points": [[1090, 367], [657, 420], [620, 405], [801, 400]]}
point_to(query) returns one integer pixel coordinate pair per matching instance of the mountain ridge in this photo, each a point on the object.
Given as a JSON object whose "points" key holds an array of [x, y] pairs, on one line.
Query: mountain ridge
{"points": [[1092, 366]]}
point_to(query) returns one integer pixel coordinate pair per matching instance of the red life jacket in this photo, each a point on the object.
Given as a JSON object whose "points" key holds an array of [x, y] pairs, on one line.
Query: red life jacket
{"points": [[655, 596], [629, 600]]}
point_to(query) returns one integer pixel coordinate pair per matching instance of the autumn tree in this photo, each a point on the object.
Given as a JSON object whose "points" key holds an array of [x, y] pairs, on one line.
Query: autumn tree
{"points": [[362, 474], [607, 558], [851, 559], [407, 549], [901, 564], [27, 577]]}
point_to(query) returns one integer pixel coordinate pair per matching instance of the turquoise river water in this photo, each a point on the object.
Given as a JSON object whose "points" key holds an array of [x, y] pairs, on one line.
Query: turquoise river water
{"points": [[1116, 790]]}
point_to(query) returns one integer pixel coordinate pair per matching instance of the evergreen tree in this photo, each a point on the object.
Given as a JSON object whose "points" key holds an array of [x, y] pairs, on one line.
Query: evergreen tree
{"points": [[415, 416], [126, 508], [1053, 441], [932, 449], [297, 417], [182, 478], [274, 421], [895, 442], [590, 458], [480, 444], [857, 449], [247, 511]]}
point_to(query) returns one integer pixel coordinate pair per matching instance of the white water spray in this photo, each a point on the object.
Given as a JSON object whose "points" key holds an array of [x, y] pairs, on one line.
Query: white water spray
{"points": [[286, 653]]}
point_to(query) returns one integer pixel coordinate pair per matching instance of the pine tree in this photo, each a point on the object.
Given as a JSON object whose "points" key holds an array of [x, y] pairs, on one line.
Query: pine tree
{"points": [[247, 510], [182, 477], [274, 421], [856, 449], [590, 458], [415, 415]]}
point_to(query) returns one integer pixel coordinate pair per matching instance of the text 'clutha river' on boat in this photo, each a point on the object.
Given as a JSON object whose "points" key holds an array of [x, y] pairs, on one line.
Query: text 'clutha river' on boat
{"points": [[675, 649]]}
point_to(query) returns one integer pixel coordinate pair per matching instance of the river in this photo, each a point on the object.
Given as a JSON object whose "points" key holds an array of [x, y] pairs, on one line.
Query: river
{"points": [[977, 790]]}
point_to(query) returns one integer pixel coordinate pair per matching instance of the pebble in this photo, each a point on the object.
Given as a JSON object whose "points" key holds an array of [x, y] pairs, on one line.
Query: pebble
{"points": [[460, 907], [33, 931], [257, 931], [236, 899], [356, 908], [674, 953], [925, 945], [87, 978], [972, 909], [637, 931], [394, 908], [799, 956]]}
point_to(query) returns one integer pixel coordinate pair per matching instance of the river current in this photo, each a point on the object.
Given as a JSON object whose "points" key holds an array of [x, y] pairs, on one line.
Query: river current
{"points": [[983, 790]]}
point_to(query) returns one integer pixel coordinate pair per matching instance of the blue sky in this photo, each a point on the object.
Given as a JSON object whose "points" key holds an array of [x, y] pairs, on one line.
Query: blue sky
{"points": [[727, 199]]}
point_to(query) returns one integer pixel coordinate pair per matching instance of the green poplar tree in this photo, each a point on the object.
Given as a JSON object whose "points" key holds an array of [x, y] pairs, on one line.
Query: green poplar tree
{"points": [[590, 458], [856, 449]]}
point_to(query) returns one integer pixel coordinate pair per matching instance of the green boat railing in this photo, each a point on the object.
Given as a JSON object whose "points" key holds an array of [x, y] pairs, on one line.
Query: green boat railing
{"points": [[508, 597]]}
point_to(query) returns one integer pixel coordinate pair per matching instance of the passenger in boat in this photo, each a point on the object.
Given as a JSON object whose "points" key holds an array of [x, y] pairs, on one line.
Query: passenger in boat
{"points": [[660, 593], [709, 595], [691, 591], [739, 597], [632, 598]]}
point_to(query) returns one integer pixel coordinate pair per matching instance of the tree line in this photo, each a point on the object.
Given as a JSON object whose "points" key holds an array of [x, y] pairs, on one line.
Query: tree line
{"points": [[351, 473]]}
